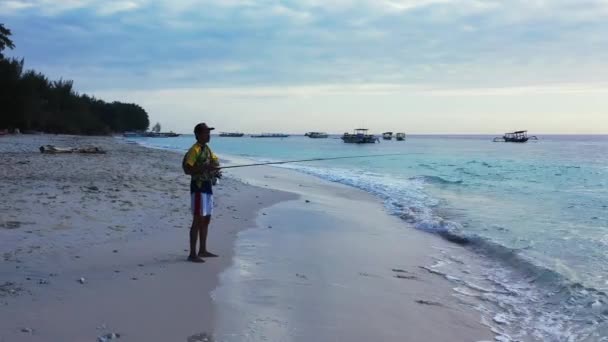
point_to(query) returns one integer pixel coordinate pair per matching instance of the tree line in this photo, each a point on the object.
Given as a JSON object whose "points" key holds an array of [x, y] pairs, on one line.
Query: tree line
{"points": [[29, 101]]}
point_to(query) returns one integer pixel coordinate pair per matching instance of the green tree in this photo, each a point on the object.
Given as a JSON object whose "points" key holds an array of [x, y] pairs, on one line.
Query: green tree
{"points": [[30, 101]]}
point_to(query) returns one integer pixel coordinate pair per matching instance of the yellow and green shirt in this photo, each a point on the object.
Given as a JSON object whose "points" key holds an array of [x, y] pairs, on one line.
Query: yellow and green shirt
{"points": [[201, 155]]}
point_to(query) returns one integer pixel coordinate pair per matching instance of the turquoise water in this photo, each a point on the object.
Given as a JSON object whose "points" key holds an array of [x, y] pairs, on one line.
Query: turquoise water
{"points": [[537, 213]]}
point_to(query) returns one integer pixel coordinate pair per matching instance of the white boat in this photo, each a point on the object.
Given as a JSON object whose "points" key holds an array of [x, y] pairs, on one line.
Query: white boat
{"points": [[316, 135], [387, 135]]}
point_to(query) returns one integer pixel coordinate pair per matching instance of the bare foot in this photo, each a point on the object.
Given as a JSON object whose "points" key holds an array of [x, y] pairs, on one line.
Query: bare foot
{"points": [[195, 259], [207, 255]]}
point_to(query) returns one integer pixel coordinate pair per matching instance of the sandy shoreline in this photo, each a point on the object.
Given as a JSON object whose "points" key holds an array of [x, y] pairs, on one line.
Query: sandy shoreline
{"points": [[120, 221]]}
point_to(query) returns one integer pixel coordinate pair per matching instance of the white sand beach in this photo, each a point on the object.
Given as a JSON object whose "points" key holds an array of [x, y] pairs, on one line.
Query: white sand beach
{"points": [[94, 245]]}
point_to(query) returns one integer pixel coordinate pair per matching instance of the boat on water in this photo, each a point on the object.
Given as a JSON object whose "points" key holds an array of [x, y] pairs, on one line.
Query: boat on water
{"points": [[400, 136], [359, 136], [316, 135], [516, 137], [270, 135], [232, 134], [387, 135]]}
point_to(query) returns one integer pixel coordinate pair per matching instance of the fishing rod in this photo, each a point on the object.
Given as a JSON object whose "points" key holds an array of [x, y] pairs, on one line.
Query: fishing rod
{"points": [[308, 160]]}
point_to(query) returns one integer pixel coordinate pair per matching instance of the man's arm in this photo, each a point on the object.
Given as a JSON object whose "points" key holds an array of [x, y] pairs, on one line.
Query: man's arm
{"points": [[200, 169]]}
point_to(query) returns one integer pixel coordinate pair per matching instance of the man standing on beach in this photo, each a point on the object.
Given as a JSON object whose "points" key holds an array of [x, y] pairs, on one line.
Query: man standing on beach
{"points": [[203, 166]]}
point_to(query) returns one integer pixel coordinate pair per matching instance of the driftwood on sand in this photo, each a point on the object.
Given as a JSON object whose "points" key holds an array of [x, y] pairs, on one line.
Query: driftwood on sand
{"points": [[54, 149]]}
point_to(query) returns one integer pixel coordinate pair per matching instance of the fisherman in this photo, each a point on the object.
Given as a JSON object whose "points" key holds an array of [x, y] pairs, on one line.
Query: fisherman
{"points": [[203, 166]]}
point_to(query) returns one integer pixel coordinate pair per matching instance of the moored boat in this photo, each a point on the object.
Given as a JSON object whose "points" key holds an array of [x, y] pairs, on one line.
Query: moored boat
{"points": [[360, 136], [232, 134], [400, 136], [316, 135], [387, 135], [516, 137]]}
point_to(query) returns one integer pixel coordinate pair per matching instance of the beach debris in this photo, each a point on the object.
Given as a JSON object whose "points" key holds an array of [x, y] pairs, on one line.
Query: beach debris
{"points": [[410, 277], [27, 330], [10, 224], [428, 302], [51, 149], [43, 282], [91, 188], [108, 337], [9, 288], [81, 280], [301, 276], [403, 274]]}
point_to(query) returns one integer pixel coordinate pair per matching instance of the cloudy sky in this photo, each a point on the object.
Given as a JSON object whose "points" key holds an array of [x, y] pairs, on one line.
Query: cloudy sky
{"points": [[419, 66]]}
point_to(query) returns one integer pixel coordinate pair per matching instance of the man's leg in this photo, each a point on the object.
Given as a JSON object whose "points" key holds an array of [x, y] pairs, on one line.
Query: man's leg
{"points": [[195, 228], [203, 252]]}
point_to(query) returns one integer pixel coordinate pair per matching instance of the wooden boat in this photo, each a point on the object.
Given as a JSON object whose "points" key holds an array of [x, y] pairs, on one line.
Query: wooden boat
{"points": [[400, 136], [360, 136], [516, 137], [316, 135], [387, 135], [232, 134], [270, 135]]}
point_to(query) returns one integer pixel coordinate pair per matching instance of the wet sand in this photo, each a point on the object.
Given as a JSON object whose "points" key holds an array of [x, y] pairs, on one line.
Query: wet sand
{"points": [[333, 265]]}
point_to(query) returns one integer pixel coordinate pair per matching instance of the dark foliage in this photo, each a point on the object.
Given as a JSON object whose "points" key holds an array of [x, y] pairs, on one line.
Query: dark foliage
{"points": [[31, 102]]}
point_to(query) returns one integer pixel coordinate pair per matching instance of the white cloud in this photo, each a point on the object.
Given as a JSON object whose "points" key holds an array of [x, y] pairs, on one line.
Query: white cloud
{"points": [[13, 6], [110, 8]]}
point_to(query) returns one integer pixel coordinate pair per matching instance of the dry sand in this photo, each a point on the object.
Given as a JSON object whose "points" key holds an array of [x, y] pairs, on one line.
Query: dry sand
{"points": [[121, 220]]}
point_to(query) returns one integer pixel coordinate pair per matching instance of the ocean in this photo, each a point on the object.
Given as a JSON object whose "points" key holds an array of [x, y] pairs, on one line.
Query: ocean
{"points": [[535, 213]]}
